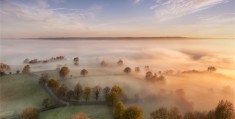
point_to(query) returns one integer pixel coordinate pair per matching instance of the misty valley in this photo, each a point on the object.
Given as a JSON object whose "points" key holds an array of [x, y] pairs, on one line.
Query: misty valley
{"points": [[152, 79]]}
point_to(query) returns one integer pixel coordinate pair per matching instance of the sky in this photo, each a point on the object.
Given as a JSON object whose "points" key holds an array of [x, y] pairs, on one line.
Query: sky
{"points": [[117, 18]]}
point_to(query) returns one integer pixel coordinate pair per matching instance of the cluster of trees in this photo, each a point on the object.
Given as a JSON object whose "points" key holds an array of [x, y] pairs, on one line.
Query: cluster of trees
{"points": [[211, 69], [35, 61], [104, 63], [149, 76], [224, 110], [131, 112], [114, 98]]}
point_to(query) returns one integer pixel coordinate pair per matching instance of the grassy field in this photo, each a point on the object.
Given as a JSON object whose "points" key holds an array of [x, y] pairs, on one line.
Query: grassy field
{"points": [[18, 91], [93, 111]]}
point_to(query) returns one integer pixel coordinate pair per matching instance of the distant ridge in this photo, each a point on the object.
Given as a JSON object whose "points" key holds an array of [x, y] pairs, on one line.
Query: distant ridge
{"points": [[107, 38]]}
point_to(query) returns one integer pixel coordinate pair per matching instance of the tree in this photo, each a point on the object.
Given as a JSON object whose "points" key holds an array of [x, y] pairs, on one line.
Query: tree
{"points": [[106, 91], [160, 113], [62, 91], [84, 72], [64, 71], [103, 63], [97, 90], [112, 99], [53, 83], [133, 112], [114, 96], [119, 110], [76, 60], [118, 90], [17, 71], [44, 78], [137, 69], [120, 62], [46, 102], [70, 94], [127, 70], [78, 91], [87, 92], [26, 69], [80, 115], [30, 113], [224, 110]]}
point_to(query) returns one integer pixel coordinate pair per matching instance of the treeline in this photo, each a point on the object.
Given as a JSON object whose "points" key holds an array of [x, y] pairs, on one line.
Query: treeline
{"points": [[36, 61], [224, 110]]}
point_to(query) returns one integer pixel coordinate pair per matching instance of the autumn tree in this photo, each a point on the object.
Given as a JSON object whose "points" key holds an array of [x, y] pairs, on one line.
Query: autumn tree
{"points": [[78, 91], [127, 70], [115, 95], [97, 90], [133, 112], [30, 113], [119, 110], [64, 71], [53, 83], [80, 115], [26, 69], [224, 110], [86, 93], [62, 91], [84, 72]]}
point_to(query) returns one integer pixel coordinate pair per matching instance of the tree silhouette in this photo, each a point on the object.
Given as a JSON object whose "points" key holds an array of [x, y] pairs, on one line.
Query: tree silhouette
{"points": [[97, 90], [84, 72], [78, 91], [127, 70], [120, 62]]}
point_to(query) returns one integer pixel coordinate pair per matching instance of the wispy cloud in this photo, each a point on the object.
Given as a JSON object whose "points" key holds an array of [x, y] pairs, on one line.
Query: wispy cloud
{"points": [[41, 15], [171, 9], [136, 1]]}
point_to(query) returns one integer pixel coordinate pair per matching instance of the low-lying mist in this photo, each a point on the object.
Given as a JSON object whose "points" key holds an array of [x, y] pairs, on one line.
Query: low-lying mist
{"points": [[187, 91]]}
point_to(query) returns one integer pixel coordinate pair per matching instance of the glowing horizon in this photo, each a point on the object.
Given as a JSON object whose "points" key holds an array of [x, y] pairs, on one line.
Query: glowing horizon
{"points": [[111, 18]]}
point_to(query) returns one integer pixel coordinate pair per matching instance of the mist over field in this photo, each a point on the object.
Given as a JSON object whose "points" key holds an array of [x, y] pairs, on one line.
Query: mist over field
{"points": [[188, 92]]}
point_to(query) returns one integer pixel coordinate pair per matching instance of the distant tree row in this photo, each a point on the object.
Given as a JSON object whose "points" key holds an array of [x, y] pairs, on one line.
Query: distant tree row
{"points": [[224, 110], [149, 76], [104, 63], [128, 70], [35, 61]]}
